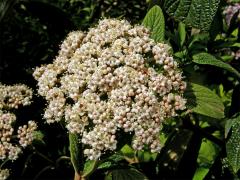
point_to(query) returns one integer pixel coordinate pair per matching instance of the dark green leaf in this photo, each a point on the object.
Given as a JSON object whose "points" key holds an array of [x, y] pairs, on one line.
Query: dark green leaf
{"points": [[75, 151], [233, 146], [173, 151], [182, 33], [89, 167], [229, 123], [203, 101], [105, 165], [126, 174], [182, 9], [196, 13], [154, 20], [5, 6], [205, 58]]}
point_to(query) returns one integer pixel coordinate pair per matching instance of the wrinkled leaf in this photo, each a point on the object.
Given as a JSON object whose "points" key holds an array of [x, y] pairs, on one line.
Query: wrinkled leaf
{"points": [[229, 123], [205, 58], [154, 20], [196, 13], [233, 147], [203, 101]]}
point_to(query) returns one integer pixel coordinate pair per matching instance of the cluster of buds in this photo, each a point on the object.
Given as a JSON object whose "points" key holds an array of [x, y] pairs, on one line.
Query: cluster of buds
{"points": [[11, 97], [113, 77], [230, 11]]}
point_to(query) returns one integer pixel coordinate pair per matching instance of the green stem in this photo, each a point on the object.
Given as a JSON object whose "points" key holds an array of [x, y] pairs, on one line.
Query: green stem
{"points": [[42, 171], [43, 156], [201, 131], [4, 162]]}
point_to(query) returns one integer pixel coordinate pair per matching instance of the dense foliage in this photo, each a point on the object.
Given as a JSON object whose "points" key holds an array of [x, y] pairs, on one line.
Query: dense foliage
{"points": [[202, 142]]}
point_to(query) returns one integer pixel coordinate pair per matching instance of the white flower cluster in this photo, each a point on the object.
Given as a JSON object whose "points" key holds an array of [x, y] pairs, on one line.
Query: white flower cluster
{"points": [[4, 174], [11, 97], [113, 77], [14, 96]]}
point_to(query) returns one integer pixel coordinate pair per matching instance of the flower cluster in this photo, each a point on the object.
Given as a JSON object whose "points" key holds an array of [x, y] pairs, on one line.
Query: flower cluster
{"points": [[113, 77], [14, 96], [11, 97]]}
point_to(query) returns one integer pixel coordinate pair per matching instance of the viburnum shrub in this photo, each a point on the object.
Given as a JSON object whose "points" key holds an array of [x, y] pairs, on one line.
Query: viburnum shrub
{"points": [[112, 77], [158, 100]]}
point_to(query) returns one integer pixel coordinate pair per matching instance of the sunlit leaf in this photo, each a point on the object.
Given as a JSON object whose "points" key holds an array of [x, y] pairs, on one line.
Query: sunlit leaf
{"points": [[203, 101], [205, 58], [127, 151], [200, 173], [154, 20]]}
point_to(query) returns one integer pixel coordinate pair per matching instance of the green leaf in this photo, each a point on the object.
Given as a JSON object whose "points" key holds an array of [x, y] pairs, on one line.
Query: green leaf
{"points": [[89, 167], [182, 9], [195, 13], [75, 151], [233, 147], [127, 151], [126, 174], [38, 138], [205, 58], [182, 33], [146, 156], [105, 165], [203, 101], [207, 153], [229, 123], [154, 20], [111, 161], [200, 173], [236, 45], [198, 38]]}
